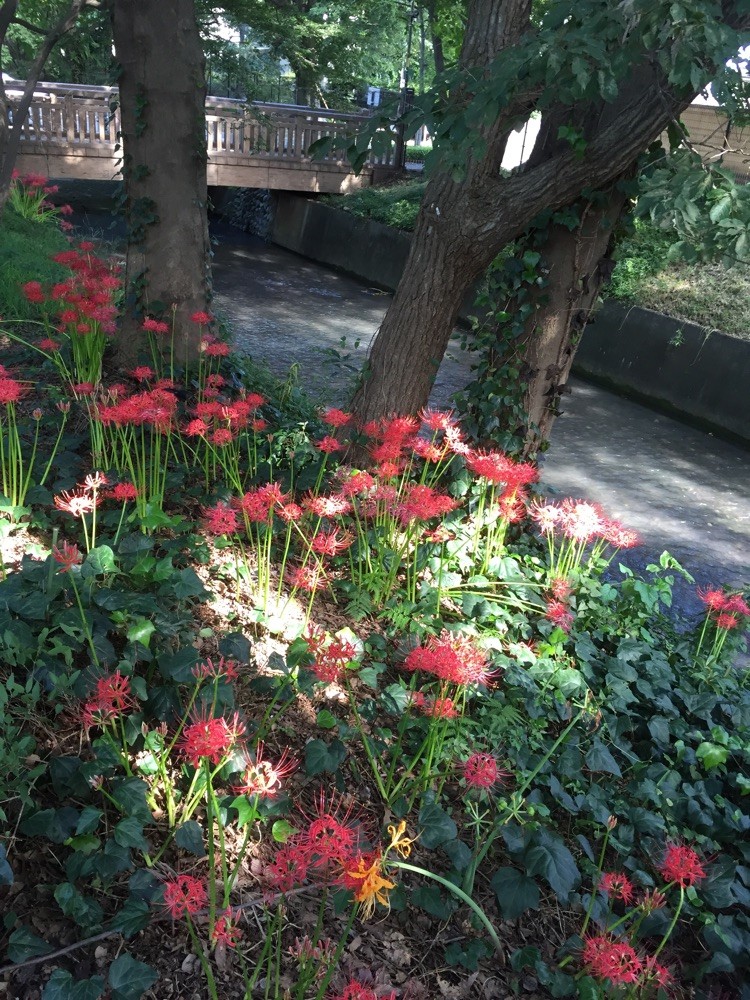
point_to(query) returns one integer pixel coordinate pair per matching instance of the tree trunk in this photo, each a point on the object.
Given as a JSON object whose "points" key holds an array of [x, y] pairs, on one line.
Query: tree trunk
{"points": [[462, 226], [10, 136], [162, 107], [574, 262], [437, 41]]}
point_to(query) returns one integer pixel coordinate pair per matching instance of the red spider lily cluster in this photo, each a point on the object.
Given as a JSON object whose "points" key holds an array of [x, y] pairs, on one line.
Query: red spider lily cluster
{"points": [[356, 990], [28, 196], [451, 657], [481, 771], [210, 738], [83, 312], [331, 655], [263, 777], [728, 611], [185, 896], [111, 699], [570, 526], [618, 963], [682, 866]]}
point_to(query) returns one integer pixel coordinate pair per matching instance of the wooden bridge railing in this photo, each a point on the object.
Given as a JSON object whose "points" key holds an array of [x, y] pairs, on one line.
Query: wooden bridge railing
{"points": [[83, 116]]}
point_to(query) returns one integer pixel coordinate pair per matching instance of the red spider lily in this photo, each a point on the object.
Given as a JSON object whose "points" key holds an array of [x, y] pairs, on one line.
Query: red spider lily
{"points": [[329, 506], [438, 420], [616, 886], [331, 656], [94, 481], [67, 556], [482, 772], [357, 483], [429, 451], [727, 621], [196, 428], [559, 614], [262, 778], [11, 391], [336, 418], [713, 598], [616, 961], [111, 697], [329, 444], [331, 543], [76, 504], [422, 503], [652, 900], [216, 349], [620, 537], [202, 318], [185, 895], [155, 326], [222, 437], [581, 520], [332, 834], [436, 708], [387, 451], [560, 588], [210, 738], [49, 345], [290, 512], [655, 974], [682, 865], [226, 932], [258, 426], [222, 668], [398, 428], [737, 605], [451, 657], [83, 389], [547, 517], [307, 578], [32, 291], [355, 990], [289, 867], [254, 400], [143, 373], [123, 492], [258, 503]]}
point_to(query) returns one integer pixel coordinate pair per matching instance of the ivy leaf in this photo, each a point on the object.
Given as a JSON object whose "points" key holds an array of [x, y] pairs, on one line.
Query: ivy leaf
{"points": [[6, 872], [432, 900], [437, 826], [62, 986], [141, 631], [282, 830], [515, 892], [324, 758], [132, 918], [24, 944], [600, 759], [189, 837], [130, 795], [129, 979], [551, 859], [129, 833], [89, 820]]}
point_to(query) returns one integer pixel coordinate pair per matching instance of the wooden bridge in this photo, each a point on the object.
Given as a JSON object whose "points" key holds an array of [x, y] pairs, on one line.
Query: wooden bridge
{"points": [[73, 131]]}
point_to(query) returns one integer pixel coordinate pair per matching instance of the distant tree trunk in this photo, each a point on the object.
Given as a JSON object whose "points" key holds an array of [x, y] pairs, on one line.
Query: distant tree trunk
{"points": [[162, 99], [10, 135], [437, 42]]}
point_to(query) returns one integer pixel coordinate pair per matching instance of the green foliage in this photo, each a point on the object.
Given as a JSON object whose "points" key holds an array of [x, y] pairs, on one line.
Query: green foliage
{"points": [[396, 205], [26, 248]]}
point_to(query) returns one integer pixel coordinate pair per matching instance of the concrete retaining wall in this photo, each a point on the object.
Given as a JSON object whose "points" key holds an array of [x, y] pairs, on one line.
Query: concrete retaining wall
{"points": [[675, 366], [679, 367]]}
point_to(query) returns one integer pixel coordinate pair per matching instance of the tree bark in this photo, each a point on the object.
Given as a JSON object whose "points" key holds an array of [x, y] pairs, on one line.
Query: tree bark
{"points": [[463, 225], [162, 107], [10, 136]]}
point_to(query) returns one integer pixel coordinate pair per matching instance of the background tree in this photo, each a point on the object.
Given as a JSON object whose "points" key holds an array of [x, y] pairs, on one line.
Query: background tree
{"points": [[51, 22], [162, 98], [607, 79], [333, 48]]}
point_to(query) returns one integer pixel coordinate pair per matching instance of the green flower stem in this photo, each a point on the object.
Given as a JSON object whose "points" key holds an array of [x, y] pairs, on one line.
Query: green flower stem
{"points": [[84, 623], [366, 745], [456, 892], [673, 923], [55, 448], [210, 981], [333, 964]]}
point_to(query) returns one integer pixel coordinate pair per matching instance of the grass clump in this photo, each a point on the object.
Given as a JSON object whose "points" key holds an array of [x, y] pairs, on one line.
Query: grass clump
{"points": [[26, 248], [396, 205], [706, 293]]}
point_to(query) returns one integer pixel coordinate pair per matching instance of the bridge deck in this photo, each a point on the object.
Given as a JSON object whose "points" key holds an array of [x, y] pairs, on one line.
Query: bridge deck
{"points": [[73, 132]]}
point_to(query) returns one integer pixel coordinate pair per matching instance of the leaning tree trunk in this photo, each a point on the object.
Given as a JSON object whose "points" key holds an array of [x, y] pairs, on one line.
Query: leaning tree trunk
{"points": [[462, 226], [162, 107]]}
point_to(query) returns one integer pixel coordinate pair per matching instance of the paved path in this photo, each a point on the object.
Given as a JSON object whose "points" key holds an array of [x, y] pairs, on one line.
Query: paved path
{"points": [[682, 489]]}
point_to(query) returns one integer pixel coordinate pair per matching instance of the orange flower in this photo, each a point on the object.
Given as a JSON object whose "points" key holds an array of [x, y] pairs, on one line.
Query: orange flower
{"points": [[368, 884]]}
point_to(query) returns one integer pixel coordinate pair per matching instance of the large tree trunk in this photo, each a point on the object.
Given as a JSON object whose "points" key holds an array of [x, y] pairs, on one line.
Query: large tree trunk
{"points": [[162, 98], [463, 225], [10, 135]]}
